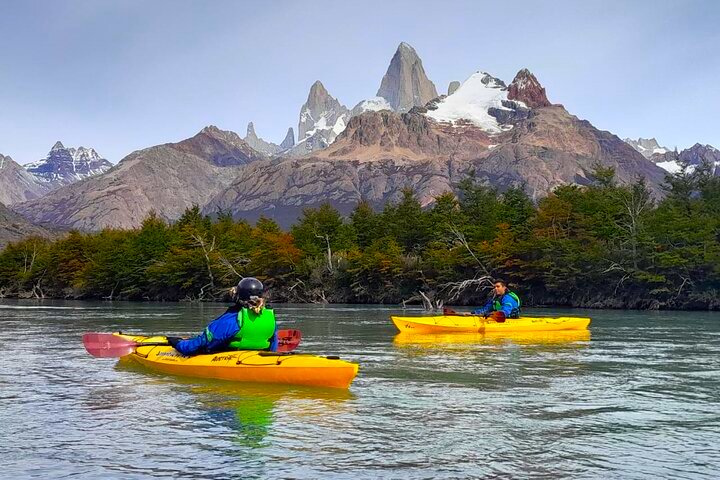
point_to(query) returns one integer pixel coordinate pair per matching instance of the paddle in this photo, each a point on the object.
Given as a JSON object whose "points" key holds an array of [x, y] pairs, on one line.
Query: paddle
{"points": [[288, 340], [105, 345]]}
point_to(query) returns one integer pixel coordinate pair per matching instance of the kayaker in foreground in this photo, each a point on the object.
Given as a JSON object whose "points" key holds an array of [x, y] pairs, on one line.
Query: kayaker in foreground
{"points": [[504, 304], [247, 325]]}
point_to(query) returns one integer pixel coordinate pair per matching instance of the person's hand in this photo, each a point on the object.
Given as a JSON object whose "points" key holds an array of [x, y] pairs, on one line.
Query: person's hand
{"points": [[498, 317], [173, 341]]}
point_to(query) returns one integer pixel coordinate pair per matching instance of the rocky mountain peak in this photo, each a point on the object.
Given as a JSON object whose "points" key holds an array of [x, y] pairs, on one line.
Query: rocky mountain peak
{"points": [[257, 143], [322, 118], [405, 84], [701, 147], [646, 146], [223, 148], [700, 154], [318, 93], [452, 87], [63, 166], [289, 140], [211, 130], [17, 184], [526, 88]]}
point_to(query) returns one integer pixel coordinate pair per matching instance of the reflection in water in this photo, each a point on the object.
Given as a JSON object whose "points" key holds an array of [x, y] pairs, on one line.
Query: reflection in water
{"points": [[248, 409]]}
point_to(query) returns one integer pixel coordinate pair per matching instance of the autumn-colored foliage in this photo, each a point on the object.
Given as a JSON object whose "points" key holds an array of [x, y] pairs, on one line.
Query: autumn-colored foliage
{"points": [[601, 245]]}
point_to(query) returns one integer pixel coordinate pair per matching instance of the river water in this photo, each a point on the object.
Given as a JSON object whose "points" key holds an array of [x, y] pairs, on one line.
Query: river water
{"points": [[638, 397]]}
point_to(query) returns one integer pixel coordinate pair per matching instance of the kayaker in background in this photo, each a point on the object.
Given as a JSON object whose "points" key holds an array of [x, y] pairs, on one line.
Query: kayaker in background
{"points": [[247, 325], [504, 304]]}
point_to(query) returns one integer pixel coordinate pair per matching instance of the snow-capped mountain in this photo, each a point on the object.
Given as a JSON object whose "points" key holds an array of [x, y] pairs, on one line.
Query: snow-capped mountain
{"points": [[693, 157], [700, 154], [481, 100], [672, 160], [322, 119], [647, 146], [64, 166]]}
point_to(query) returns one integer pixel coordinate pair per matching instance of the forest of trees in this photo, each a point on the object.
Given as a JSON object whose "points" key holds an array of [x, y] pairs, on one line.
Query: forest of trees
{"points": [[603, 245]]}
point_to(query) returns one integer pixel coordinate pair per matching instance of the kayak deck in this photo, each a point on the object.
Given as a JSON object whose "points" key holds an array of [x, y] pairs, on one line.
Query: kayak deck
{"points": [[478, 324], [246, 365]]}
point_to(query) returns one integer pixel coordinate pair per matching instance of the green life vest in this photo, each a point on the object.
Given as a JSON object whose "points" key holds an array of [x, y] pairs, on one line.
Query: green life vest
{"points": [[256, 330], [497, 304]]}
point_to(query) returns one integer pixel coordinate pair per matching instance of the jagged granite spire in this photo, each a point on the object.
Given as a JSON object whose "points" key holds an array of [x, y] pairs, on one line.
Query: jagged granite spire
{"points": [[321, 111], [405, 84], [289, 141], [526, 88], [258, 144]]}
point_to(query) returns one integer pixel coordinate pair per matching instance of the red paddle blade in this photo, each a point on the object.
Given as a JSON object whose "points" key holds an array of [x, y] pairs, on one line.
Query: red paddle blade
{"points": [[105, 345], [288, 340]]}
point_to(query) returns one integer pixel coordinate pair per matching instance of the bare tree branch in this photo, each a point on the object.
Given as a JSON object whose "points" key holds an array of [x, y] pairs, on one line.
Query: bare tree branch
{"points": [[455, 289], [200, 242], [461, 237]]}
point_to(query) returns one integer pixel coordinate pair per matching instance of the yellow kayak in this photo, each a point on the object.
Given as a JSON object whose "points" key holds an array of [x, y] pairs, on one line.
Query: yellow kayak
{"points": [[439, 340], [478, 324], [245, 365]]}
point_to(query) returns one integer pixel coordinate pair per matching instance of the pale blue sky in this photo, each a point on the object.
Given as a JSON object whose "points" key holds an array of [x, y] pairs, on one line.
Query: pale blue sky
{"points": [[124, 75]]}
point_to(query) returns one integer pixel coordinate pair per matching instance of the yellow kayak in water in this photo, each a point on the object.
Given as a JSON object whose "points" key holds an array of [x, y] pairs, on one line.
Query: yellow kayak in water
{"points": [[455, 339], [478, 324], [244, 365]]}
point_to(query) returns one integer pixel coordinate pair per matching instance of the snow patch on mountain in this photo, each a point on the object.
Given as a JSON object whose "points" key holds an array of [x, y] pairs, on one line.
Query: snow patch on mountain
{"points": [[670, 166], [472, 102], [374, 104]]}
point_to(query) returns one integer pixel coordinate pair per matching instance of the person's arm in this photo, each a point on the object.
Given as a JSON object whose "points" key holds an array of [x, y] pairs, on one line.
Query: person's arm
{"points": [[508, 305], [217, 334], [485, 309], [274, 342], [190, 346]]}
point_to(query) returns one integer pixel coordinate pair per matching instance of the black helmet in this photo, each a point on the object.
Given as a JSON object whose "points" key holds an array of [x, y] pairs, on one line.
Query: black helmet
{"points": [[248, 287]]}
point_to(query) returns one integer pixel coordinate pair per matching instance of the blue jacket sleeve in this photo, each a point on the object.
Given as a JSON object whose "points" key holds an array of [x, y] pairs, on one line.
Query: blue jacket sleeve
{"points": [[485, 309], [216, 335], [508, 305], [274, 342]]}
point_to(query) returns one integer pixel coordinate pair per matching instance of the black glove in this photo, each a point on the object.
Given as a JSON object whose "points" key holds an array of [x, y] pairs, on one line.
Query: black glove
{"points": [[173, 341]]}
